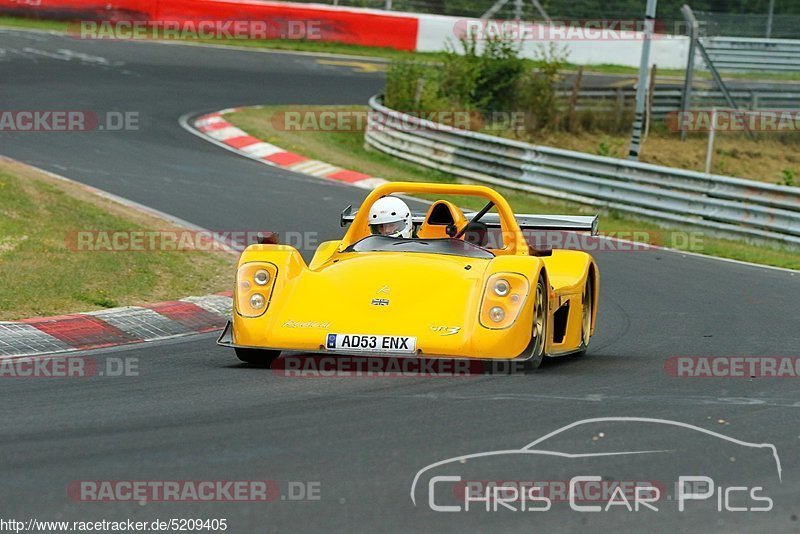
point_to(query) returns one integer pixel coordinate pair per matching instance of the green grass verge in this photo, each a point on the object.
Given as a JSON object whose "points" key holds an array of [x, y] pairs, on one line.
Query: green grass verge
{"points": [[346, 149], [43, 274], [389, 53], [34, 24]]}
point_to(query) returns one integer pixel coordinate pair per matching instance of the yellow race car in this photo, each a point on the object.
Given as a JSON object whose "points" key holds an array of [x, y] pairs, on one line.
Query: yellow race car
{"points": [[462, 286]]}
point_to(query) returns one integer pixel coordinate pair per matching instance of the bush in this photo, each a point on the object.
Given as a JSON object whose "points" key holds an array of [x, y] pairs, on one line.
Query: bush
{"points": [[403, 84], [789, 177], [487, 78], [537, 90], [500, 69], [482, 78]]}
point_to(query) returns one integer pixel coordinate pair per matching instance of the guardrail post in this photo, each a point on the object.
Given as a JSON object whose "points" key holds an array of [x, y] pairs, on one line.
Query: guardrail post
{"points": [[573, 100], [648, 115], [769, 18], [711, 134]]}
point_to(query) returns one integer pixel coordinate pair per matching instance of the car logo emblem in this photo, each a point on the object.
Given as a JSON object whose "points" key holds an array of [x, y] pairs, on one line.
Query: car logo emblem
{"points": [[385, 290], [446, 330]]}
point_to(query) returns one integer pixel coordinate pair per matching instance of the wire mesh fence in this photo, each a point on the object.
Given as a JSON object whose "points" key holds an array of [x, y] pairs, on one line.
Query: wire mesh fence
{"points": [[749, 25], [782, 25]]}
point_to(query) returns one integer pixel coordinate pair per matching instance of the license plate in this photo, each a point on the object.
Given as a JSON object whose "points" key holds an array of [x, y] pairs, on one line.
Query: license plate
{"points": [[370, 343]]}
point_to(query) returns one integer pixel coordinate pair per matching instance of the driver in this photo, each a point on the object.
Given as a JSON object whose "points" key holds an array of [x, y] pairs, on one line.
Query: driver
{"points": [[390, 217]]}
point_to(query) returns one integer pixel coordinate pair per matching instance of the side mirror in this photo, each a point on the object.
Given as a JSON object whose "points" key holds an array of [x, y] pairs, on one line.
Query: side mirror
{"points": [[347, 216], [477, 233], [267, 238]]}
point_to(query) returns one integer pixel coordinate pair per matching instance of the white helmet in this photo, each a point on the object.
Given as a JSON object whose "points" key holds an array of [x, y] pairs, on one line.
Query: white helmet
{"points": [[390, 216]]}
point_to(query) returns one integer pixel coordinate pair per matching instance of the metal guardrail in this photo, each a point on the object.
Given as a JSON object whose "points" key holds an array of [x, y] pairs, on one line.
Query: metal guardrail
{"points": [[669, 100], [748, 54], [733, 206]]}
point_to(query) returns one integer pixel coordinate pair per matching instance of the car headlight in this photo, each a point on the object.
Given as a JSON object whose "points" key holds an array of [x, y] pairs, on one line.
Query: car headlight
{"points": [[503, 299], [502, 287], [262, 277], [254, 283], [497, 314], [257, 301]]}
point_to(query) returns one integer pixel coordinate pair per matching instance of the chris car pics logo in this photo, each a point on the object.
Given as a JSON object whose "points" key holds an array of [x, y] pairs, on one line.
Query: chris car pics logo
{"points": [[461, 484]]}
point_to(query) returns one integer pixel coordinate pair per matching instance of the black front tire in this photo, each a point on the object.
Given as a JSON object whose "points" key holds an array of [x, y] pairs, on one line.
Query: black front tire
{"points": [[539, 330], [257, 356]]}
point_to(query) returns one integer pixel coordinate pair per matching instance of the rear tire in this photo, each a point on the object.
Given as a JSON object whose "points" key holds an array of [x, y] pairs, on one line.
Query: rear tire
{"points": [[586, 319], [539, 329], [257, 356]]}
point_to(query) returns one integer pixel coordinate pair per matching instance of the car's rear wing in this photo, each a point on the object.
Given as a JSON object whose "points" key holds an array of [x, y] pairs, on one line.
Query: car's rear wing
{"points": [[553, 223]]}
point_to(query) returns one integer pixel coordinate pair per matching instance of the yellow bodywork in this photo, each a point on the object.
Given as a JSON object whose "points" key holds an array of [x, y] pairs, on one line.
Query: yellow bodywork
{"points": [[441, 300]]}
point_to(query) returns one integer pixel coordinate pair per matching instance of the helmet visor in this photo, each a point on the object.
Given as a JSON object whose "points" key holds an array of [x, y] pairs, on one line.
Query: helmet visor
{"points": [[387, 229]]}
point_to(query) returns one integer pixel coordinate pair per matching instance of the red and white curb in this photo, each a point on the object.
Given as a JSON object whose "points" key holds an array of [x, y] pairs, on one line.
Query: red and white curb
{"points": [[116, 326], [214, 127]]}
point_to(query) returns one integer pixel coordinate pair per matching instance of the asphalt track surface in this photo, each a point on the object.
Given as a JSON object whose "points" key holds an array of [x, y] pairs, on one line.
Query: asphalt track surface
{"points": [[194, 413]]}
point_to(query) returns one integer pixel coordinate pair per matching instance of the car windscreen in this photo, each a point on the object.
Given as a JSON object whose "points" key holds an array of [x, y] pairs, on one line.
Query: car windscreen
{"points": [[451, 247]]}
